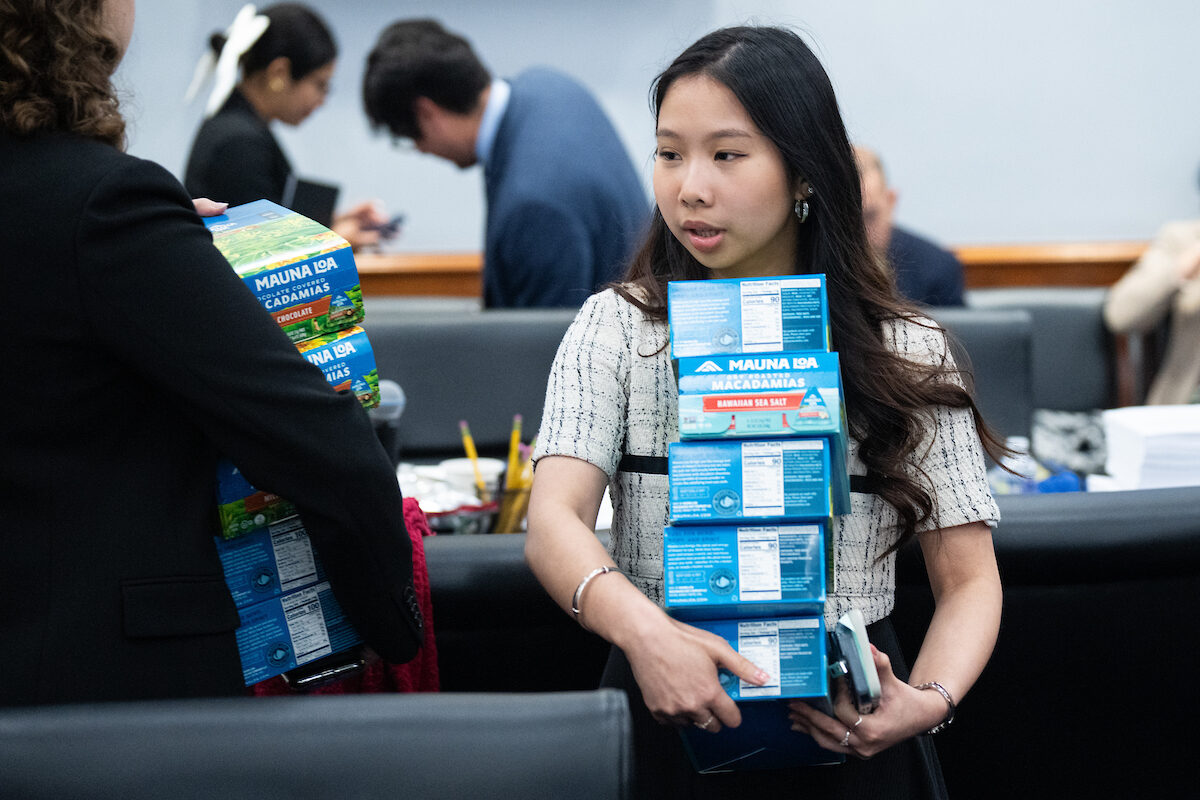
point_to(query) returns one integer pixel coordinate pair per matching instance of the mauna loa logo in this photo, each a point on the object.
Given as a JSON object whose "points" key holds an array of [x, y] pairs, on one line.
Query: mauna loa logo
{"points": [[279, 653], [722, 581], [264, 580], [726, 502]]}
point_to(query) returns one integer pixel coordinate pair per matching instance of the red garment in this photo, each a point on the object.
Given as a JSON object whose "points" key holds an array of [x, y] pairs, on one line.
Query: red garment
{"points": [[418, 675]]}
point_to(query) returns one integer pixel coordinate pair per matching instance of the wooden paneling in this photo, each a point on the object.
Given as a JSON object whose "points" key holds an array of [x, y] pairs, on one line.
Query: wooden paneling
{"points": [[438, 274], [1061, 264], [1069, 264]]}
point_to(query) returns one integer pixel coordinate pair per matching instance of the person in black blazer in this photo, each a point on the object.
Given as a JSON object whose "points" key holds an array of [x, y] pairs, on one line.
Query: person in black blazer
{"points": [[285, 75], [137, 356]]}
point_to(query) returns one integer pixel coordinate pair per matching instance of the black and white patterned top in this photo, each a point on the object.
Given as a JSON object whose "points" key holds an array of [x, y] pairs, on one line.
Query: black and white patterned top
{"points": [[612, 393]]}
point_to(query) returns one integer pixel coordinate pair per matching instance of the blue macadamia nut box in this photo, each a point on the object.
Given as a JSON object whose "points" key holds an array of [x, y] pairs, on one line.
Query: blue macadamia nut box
{"points": [[754, 481], [241, 508], [300, 271], [790, 650], [269, 562], [784, 394], [715, 572], [291, 630], [347, 362], [748, 315]]}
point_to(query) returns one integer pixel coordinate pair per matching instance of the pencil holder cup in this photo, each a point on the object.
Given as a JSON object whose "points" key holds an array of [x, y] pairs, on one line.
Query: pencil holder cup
{"points": [[513, 505], [461, 474]]}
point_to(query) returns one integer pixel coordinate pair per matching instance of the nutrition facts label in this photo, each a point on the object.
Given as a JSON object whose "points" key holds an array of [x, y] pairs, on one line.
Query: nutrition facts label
{"points": [[759, 642], [762, 318], [762, 479], [306, 624], [293, 555], [758, 564], [784, 648]]}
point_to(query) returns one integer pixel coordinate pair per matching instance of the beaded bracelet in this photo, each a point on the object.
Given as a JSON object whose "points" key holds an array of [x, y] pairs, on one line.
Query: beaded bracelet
{"points": [[578, 596], [949, 702]]}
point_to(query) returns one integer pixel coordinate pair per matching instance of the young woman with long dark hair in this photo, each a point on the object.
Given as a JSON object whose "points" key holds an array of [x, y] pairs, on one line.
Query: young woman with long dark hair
{"points": [[754, 176]]}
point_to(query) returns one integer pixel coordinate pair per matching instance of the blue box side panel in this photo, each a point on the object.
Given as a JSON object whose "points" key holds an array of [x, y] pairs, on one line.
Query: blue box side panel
{"points": [[714, 572], [266, 642]]}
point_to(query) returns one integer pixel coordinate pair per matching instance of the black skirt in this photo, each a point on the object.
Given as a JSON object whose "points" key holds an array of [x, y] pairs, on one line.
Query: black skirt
{"points": [[662, 768]]}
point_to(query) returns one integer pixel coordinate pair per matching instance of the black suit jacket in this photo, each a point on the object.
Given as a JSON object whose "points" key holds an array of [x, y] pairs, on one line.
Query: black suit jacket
{"points": [[235, 158], [135, 356]]}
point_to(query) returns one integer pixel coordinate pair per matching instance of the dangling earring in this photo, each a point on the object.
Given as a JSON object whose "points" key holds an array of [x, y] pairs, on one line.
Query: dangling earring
{"points": [[801, 209], [276, 85]]}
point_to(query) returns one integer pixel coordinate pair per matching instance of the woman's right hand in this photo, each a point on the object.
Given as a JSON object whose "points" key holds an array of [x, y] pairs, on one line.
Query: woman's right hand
{"points": [[208, 208], [676, 665]]}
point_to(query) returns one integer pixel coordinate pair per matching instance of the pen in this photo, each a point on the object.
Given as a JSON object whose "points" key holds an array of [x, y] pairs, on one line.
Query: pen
{"points": [[469, 446]]}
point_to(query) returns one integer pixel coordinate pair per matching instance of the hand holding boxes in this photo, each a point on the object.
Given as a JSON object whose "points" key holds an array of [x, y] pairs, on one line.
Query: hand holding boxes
{"points": [[753, 484], [304, 275]]}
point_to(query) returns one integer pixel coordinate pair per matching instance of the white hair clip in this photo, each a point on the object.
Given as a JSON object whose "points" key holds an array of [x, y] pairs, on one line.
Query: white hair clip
{"points": [[248, 26]]}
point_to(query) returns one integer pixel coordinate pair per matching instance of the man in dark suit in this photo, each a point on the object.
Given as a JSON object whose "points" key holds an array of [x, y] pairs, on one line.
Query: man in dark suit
{"points": [[565, 204], [925, 273]]}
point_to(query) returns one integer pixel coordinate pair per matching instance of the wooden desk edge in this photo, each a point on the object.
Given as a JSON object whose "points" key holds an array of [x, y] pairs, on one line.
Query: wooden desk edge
{"points": [[985, 265]]}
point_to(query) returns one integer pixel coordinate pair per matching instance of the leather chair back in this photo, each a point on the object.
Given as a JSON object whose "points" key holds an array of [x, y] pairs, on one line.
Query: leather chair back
{"points": [[549, 745], [995, 347]]}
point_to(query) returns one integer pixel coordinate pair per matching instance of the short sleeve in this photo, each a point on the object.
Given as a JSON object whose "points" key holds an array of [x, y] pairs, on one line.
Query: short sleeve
{"points": [[587, 393], [949, 460]]}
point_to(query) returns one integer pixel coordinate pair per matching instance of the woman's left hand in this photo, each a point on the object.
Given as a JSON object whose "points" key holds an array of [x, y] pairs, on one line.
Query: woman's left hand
{"points": [[903, 711]]}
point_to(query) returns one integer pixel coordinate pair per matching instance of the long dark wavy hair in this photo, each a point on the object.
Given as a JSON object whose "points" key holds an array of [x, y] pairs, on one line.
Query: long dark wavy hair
{"points": [[56, 66], [785, 91]]}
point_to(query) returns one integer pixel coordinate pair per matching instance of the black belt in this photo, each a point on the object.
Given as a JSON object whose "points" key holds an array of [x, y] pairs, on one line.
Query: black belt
{"points": [[657, 465]]}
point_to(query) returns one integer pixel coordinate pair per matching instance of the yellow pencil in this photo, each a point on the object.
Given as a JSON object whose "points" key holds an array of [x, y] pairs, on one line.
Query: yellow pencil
{"points": [[469, 446], [514, 454], [527, 467]]}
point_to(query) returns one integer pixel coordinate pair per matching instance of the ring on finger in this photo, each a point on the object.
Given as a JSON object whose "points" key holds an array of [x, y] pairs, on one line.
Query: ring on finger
{"points": [[704, 725], [846, 739]]}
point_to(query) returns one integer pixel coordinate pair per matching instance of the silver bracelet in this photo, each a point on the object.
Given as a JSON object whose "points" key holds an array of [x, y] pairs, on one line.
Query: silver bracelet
{"points": [[575, 598], [941, 726]]}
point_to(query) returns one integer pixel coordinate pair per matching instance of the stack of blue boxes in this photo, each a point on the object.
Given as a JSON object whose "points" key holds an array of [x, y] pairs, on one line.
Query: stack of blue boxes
{"points": [[758, 473], [305, 275]]}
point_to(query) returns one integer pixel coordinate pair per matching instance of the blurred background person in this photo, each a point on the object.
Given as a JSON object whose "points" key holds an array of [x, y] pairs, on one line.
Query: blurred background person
{"points": [[925, 273], [1164, 284], [152, 358], [565, 206], [287, 55]]}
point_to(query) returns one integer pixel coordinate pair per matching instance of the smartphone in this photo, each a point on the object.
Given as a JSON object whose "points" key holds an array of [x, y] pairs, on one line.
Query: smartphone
{"points": [[391, 227], [324, 670], [852, 651]]}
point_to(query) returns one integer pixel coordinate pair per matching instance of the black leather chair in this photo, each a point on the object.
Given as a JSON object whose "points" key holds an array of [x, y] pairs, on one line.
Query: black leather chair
{"points": [[995, 347], [571, 744], [455, 364], [1091, 690], [485, 366], [1073, 361], [497, 630]]}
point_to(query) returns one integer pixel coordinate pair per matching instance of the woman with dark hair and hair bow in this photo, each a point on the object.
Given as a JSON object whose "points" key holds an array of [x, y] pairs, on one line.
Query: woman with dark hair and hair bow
{"points": [[140, 357], [286, 55], [754, 177]]}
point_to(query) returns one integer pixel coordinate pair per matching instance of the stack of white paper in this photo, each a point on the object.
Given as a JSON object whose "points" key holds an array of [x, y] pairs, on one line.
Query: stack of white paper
{"points": [[1151, 447]]}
